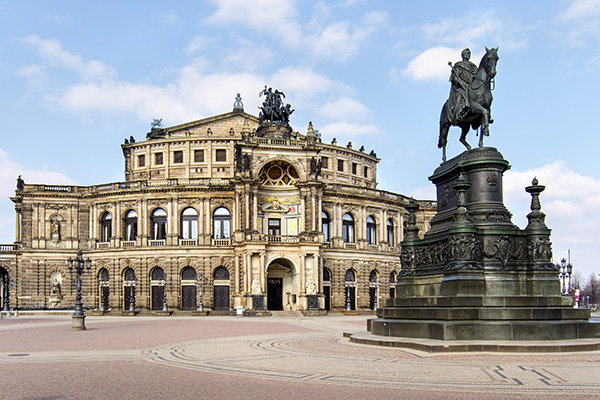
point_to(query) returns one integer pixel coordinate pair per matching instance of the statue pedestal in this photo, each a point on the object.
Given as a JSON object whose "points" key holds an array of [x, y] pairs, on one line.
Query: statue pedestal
{"points": [[475, 275], [78, 323]]}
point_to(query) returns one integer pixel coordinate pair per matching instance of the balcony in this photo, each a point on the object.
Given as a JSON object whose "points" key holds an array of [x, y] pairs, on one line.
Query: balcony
{"points": [[188, 242], [352, 246], [102, 245], [156, 243], [126, 244], [282, 239], [221, 242]]}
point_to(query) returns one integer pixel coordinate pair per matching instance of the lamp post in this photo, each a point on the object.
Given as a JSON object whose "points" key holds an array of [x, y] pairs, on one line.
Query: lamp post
{"points": [[348, 305], [565, 270], [7, 282], [201, 287], [79, 265], [165, 307]]}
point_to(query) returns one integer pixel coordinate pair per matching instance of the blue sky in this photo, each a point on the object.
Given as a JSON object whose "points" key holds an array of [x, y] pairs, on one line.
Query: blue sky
{"points": [[79, 77]]}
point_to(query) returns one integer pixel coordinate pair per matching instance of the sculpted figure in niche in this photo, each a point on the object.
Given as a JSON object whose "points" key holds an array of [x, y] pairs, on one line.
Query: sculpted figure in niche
{"points": [[311, 287], [56, 287], [55, 229], [256, 289]]}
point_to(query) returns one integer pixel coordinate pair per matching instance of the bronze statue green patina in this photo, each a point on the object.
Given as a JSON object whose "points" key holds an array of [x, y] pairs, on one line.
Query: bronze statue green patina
{"points": [[273, 109], [469, 104]]}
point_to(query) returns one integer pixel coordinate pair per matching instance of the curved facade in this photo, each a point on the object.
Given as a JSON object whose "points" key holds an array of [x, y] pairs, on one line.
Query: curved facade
{"points": [[215, 214]]}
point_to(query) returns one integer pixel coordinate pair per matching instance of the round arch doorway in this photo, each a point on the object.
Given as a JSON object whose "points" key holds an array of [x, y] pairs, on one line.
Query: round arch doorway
{"points": [[281, 285]]}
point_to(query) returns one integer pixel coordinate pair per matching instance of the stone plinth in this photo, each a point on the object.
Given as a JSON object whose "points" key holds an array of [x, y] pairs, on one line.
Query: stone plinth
{"points": [[475, 275]]}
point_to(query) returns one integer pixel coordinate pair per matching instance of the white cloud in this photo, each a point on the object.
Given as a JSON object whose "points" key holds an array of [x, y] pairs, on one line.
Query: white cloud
{"points": [[431, 64], [10, 171], [569, 202], [476, 26], [273, 17], [52, 50], [341, 41], [343, 130], [200, 42], [346, 109], [580, 9]]}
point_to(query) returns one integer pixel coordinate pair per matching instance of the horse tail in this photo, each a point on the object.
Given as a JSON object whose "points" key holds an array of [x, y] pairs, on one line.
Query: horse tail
{"points": [[444, 126]]}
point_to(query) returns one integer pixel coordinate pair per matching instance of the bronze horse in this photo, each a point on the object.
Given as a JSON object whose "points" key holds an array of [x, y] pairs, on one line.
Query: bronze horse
{"points": [[480, 98]]}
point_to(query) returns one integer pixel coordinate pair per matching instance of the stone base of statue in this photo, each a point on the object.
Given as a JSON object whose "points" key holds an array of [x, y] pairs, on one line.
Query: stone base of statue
{"points": [[78, 323], [475, 276], [312, 301], [274, 129]]}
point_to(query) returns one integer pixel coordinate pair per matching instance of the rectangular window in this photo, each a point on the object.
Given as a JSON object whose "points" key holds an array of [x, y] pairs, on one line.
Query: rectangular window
{"points": [[325, 164], [366, 172], [221, 155], [341, 165], [142, 160], [158, 158], [274, 226], [198, 155], [354, 168], [178, 157]]}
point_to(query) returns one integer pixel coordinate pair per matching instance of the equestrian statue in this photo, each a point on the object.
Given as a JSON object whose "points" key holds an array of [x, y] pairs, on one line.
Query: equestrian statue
{"points": [[470, 101]]}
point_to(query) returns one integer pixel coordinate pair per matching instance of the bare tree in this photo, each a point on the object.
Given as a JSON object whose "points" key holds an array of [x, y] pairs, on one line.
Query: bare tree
{"points": [[576, 282], [591, 288]]}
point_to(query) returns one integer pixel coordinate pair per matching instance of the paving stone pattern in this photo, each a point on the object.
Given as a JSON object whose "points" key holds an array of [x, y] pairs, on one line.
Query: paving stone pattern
{"points": [[268, 358]]}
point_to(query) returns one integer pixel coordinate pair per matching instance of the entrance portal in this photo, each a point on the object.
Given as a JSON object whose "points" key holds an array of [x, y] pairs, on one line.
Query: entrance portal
{"points": [[282, 288], [275, 294]]}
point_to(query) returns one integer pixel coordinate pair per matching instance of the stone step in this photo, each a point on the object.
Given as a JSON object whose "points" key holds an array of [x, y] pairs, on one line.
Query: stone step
{"points": [[481, 301], [286, 314], [485, 330], [486, 313]]}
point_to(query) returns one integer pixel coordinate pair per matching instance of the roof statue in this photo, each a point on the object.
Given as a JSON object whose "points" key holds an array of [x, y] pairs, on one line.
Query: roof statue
{"points": [[470, 100], [238, 105], [272, 109]]}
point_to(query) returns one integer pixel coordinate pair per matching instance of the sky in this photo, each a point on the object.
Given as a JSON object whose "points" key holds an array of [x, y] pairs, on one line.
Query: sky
{"points": [[79, 77]]}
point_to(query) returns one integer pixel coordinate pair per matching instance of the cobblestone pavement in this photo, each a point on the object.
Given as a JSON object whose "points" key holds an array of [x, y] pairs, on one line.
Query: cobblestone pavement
{"points": [[269, 358]]}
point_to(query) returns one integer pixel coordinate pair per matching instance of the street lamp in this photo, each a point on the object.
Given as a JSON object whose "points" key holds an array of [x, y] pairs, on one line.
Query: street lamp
{"points": [[79, 264], [200, 297], [565, 271], [348, 304]]}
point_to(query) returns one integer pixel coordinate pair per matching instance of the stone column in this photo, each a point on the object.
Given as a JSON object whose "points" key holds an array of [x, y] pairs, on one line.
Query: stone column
{"points": [[237, 274], [263, 271], [302, 273]]}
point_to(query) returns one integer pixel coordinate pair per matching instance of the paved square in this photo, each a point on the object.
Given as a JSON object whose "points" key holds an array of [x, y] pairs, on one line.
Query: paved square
{"points": [[268, 358]]}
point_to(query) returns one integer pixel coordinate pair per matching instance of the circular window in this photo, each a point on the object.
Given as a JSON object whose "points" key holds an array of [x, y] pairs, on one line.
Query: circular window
{"points": [[275, 172]]}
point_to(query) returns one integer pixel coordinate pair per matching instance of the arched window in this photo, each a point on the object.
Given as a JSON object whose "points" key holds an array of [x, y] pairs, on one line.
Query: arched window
{"points": [[130, 226], [348, 228], [221, 274], [221, 223], [188, 274], [350, 289], [392, 284], [392, 277], [373, 290], [189, 223], [159, 224], [158, 274], [129, 281], [326, 275], [325, 226], [390, 232], [371, 229], [106, 226], [103, 275], [373, 278], [349, 276], [103, 289]]}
